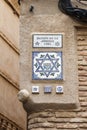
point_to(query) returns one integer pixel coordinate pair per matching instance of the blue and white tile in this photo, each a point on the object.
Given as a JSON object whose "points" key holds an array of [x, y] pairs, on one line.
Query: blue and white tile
{"points": [[59, 89], [47, 65]]}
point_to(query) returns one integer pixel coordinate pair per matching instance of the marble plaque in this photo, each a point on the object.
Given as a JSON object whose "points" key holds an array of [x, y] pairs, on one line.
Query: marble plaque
{"points": [[47, 40], [47, 65]]}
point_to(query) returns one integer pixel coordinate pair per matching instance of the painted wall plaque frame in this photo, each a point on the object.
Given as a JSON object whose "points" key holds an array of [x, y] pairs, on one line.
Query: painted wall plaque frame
{"points": [[47, 40]]}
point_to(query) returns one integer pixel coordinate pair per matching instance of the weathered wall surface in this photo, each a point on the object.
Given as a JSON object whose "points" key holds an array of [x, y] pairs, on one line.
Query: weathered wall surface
{"points": [[10, 107], [12, 115], [68, 119], [9, 59], [9, 24], [52, 21], [46, 18]]}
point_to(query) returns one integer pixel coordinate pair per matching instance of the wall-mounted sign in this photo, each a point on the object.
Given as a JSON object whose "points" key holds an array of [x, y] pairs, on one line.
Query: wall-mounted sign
{"points": [[35, 89], [47, 65], [47, 89], [47, 40], [59, 89]]}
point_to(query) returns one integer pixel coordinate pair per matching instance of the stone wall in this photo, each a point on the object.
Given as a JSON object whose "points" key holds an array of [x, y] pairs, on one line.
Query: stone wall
{"points": [[73, 119]]}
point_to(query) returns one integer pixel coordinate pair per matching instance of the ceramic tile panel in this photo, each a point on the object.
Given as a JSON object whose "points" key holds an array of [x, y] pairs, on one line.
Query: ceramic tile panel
{"points": [[47, 89], [47, 40], [47, 66]]}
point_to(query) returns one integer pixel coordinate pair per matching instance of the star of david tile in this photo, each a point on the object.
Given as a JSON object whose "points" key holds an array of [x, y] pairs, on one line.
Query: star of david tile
{"points": [[47, 65]]}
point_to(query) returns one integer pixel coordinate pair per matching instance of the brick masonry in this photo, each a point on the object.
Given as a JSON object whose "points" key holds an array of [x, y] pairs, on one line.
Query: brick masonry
{"points": [[67, 119]]}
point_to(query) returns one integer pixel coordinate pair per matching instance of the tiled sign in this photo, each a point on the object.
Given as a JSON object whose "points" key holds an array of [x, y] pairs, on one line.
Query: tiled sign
{"points": [[47, 89], [47, 65], [47, 40], [59, 89], [35, 89]]}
